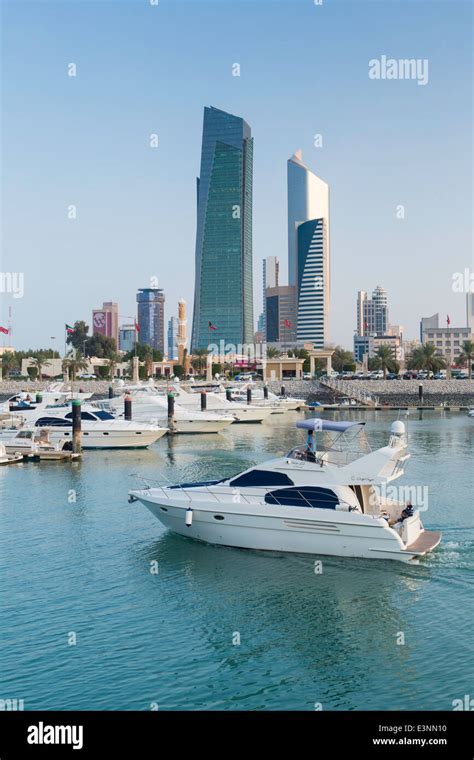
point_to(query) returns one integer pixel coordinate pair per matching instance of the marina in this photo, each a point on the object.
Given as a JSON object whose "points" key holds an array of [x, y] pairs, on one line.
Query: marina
{"points": [[93, 556]]}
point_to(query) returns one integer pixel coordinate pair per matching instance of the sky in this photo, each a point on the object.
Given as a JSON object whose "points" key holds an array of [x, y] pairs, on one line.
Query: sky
{"points": [[144, 69]]}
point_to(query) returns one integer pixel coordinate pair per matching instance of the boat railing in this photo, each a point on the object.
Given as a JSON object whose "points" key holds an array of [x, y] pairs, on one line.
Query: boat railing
{"points": [[255, 499]]}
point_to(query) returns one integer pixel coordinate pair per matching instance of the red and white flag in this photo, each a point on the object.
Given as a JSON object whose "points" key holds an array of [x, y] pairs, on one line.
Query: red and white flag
{"points": [[448, 320], [137, 326], [4, 330]]}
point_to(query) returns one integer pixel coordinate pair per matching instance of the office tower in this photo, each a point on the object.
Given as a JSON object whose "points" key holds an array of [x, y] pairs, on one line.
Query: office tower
{"points": [[313, 283], [281, 315], [105, 321], [271, 270], [470, 311], [380, 309], [223, 297], [308, 198], [127, 337], [372, 313], [151, 317], [172, 338]]}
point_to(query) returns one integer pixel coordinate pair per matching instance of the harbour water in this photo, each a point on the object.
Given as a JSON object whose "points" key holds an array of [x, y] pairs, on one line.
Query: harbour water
{"points": [[77, 565]]}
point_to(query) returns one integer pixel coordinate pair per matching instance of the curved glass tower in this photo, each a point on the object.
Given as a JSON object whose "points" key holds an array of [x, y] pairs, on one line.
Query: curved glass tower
{"points": [[223, 295]]}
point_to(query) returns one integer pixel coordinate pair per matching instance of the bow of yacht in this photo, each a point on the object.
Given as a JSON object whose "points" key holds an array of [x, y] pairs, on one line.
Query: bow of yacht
{"points": [[330, 501]]}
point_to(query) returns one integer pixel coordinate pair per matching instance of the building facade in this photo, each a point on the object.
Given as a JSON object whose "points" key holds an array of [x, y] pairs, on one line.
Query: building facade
{"points": [[448, 341], [151, 317], [281, 315], [106, 321], [308, 198], [313, 283], [127, 337], [372, 313], [223, 295], [470, 311], [173, 338], [270, 279]]}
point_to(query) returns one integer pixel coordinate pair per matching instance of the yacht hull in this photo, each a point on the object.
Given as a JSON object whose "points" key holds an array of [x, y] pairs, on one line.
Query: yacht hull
{"points": [[287, 529], [116, 439]]}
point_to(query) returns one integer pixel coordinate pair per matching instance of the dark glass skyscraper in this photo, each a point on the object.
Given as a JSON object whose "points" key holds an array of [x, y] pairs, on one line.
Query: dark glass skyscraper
{"points": [[223, 294], [151, 317]]}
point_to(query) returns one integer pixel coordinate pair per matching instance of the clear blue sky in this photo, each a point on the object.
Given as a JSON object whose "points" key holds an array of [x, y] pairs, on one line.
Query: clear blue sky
{"points": [[145, 69]]}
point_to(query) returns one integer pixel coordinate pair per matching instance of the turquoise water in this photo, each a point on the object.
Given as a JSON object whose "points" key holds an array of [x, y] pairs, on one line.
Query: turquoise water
{"points": [[166, 639]]}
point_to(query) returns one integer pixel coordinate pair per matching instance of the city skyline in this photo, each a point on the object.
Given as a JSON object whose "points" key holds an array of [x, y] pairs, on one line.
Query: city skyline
{"points": [[387, 148]]}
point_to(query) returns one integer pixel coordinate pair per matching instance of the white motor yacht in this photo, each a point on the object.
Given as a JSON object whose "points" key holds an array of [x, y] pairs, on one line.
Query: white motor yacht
{"points": [[216, 402], [100, 429], [277, 404], [326, 502], [150, 406]]}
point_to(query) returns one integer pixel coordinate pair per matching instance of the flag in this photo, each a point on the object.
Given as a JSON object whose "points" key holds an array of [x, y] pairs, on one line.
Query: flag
{"points": [[211, 326], [69, 329], [448, 321], [4, 330], [288, 323], [137, 326]]}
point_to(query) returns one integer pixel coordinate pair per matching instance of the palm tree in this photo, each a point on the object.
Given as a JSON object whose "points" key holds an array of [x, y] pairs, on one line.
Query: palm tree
{"points": [[425, 357], [112, 362], [200, 354], [341, 358], [467, 355], [9, 362], [384, 354], [74, 365], [38, 363], [273, 353], [149, 363]]}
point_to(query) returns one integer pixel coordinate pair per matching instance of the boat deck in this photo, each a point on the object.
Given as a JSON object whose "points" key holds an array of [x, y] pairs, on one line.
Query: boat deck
{"points": [[425, 542]]}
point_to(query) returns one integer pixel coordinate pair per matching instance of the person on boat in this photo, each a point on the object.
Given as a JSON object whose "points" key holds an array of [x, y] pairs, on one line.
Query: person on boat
{"points": [[409, 511], [311, 446]]}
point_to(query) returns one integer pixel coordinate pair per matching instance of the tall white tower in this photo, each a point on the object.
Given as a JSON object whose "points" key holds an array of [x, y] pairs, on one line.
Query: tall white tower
{"points": [[308, 198]]}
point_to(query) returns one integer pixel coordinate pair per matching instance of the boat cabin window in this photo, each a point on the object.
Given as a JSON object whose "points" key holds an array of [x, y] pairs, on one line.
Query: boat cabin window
{"points": [[102, 415], [262, 478], [303, 496], [84, 416], [52, 421]]}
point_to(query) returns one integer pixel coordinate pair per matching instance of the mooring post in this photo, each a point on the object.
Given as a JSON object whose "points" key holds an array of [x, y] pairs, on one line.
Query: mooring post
{"points": [[76, 426], [127, 404]]}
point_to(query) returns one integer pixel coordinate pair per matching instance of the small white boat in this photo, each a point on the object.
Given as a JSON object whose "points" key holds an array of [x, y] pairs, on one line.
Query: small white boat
{"points": [[150, 406], [6, 458], [330, 502], [277, 404], [470, 413], [36, 443], [216, 402], [99, 428]]}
